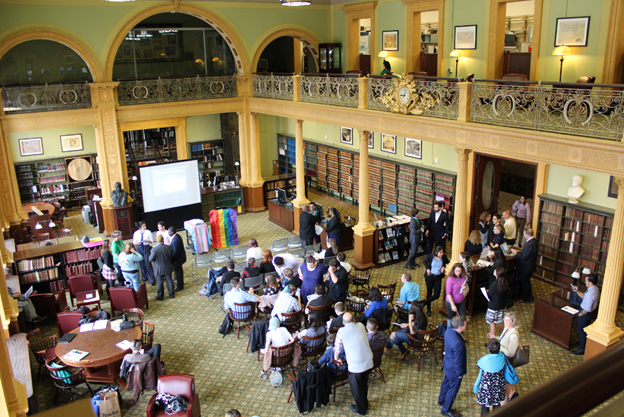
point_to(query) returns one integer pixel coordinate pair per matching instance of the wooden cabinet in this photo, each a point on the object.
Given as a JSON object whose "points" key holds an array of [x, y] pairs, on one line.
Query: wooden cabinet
{"points": [[282, 215], [287, 182], [329, 58], [210, 158], [213, 199], [391, 244]]}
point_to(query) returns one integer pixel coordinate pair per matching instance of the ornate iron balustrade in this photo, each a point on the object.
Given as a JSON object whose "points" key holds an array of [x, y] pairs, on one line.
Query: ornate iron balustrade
{"points": [[40, 98], [278, 87], [166, 90], [330, 90], [579, 110], [445, 94]]}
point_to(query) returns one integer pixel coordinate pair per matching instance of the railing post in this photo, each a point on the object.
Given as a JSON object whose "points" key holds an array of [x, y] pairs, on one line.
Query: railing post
{"points": [[363, 93], [296, 87], [465, 98]]}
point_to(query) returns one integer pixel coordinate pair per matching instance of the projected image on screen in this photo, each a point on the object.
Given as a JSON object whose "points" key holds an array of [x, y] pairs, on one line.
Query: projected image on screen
{"points": [[170, 185]]}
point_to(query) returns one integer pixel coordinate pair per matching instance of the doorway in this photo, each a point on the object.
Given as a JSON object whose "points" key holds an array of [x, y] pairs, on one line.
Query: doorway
{"points": [[498, 183]]}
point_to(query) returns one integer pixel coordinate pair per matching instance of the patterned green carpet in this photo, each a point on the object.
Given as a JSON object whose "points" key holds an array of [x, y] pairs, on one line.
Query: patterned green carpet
{"points": [[227, 377]]}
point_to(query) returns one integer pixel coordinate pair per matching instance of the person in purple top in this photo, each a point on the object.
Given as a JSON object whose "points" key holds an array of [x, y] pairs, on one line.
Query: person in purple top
{"points": [[311, 274], [455, 290]]}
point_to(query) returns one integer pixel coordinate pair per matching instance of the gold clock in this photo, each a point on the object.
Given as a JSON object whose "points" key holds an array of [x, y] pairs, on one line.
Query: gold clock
{"points": [[404, 97]]}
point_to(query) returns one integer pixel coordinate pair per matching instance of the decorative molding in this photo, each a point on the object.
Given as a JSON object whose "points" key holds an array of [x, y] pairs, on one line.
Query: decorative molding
{"points": [[48, 120], [309, 39], [354, 12]]}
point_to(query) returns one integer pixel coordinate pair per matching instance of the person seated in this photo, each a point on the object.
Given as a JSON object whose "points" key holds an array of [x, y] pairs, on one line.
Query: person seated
{"points": [[233, 413], [410, 291], [138, 356], [286, 303], [289, 278], [337, 322], [473, 245], [277, 337], [286, 261], [238, 296], [272, 285], [319, 299], [222, 275], [331, 251], [499, 236], [375, 302], [251, 270], [266, 265], [28, 309], [417, 321], [337, 282], [342, 259], [254, 251], [315, 328]]}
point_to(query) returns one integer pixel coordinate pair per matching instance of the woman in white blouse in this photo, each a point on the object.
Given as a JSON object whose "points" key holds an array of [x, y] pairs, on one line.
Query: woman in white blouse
{"points": [[509, 342], [254, 251]]}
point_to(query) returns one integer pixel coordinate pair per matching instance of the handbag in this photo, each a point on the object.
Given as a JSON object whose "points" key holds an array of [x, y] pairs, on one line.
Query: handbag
{"points": [[521, 357], [510, 374]]}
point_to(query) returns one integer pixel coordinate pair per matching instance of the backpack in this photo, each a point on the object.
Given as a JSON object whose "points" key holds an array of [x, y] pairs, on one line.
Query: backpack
{"points": [[227, 325]]}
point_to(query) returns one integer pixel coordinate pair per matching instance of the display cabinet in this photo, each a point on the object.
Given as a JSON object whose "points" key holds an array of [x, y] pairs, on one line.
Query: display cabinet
{"points": [[329, 58]]}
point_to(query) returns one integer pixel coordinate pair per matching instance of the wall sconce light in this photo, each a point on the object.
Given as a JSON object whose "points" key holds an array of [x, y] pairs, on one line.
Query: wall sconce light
{"points": [[586, 271], [457, 53], [38, 226], [562, 51]]}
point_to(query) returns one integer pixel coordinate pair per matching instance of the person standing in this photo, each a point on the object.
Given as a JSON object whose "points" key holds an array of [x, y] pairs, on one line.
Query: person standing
{"points": [[486, 228], [161, 258], [333, 225], [129, 261], [588, 301], [527, 261], [116, 248], [162, 230], [435, 264], [437, 227], [352, 338], [337, 281], [314, 210], [178, 258], [306, 226], [142, 239], [522, 211], [510, 228], [415, 237], [454, 365]]}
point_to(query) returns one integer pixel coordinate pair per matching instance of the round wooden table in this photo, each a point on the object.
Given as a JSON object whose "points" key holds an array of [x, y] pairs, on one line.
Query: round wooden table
{"points": [[27, 208], [104, 359]]}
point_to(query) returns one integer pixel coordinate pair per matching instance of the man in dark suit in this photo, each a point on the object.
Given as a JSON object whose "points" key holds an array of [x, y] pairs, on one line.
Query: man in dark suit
{"points": [[178, 258], [306, 226], [437, 227], [454, 365], [162, 266], [415, 237], [527, 260]]}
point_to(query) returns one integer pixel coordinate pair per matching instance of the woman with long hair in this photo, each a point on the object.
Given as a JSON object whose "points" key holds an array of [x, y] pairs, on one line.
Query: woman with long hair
{"points": [[497, 303], [417, 320], [267, 262], [497, 257], [107, 267], [474, 244], [314, 328], [455, 286], [129, 261], [434, 274], [486, 227], [333, 226], [376, 301]]}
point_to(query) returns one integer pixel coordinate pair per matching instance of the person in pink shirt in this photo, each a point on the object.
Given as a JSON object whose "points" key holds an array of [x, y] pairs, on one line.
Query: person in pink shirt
{"points": [[456, 291]]}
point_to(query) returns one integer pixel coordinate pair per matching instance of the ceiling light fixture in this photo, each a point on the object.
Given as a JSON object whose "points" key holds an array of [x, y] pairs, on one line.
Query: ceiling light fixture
{"points": [[295, 3]]}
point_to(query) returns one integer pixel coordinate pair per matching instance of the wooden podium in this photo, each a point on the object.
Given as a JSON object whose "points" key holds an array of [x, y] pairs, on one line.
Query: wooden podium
{"points": [[124, 220]]}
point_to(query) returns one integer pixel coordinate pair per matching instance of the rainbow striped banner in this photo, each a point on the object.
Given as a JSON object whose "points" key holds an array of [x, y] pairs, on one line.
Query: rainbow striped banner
{"points": [[223, 227]]}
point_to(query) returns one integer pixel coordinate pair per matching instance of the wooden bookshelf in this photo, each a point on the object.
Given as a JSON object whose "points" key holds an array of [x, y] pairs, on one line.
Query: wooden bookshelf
{"points": [[287, 182], [286, 154], [391, 244], [570, 236], [210, 158]]}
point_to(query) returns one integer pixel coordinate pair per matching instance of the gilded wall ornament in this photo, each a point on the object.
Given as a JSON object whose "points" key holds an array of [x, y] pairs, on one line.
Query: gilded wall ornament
{"points": [[406, 99]]}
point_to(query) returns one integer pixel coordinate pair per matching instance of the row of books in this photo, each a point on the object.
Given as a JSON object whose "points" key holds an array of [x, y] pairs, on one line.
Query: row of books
{"points": [[39, 276], [58, 285], [77, 269], [51, 168], [553, 229], [52, 178], [55, 189], [28, 265], [550, 207], [81, 255], [551, 218]]}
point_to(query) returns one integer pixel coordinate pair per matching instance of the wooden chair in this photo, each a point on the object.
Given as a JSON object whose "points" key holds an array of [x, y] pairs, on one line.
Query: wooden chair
{"points": [[49, 304], [377, 357], [424, 345], [67, 322], [64, 233], [134, 314], [148, 335], [360, 278], [123, 297], [282, 357], [338, 377], [66, 379], [80, 283], [41, 347], [41, 238], [387, 292], [244, 316], [324, 312], [58, 217], [314, 347], [355, 307], [292, 321], [176, 384]]}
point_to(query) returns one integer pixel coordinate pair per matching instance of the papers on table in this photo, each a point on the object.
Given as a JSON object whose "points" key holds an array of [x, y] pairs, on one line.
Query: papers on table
{"points": [[397, 324], [115, 325], [569, 309], [124, 344], [87, 327], [485, 294], [100, 325], [481, 263], [75, 355]]}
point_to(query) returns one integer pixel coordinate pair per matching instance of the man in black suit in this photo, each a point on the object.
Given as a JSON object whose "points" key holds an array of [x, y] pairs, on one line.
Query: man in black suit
{"points": [[437, 227], [160, 257], [415, 237], [179, 257], [527, 260], [454, 365], [306, 226]]}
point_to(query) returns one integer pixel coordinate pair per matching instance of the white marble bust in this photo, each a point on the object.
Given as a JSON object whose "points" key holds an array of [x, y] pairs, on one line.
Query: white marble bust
{"points": [[576, 191]]}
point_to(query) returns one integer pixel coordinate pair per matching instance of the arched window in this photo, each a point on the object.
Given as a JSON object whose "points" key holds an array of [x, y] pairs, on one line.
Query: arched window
{"points": [[42, 61], [172, 44]]}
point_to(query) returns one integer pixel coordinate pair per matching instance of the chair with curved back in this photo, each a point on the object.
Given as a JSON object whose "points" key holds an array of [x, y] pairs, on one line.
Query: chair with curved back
{"points": [[67, 322], [49, 304], [324, 312], [242, 315], [148, 335], [354, 306], [338, 376], [124, 297], [41, 237], [360, 278], [282, 357], [66, 378], [387, 292], [41, 347], [176, 384], [377, 358], [79, 283], [63, 232], [292, 321], [313, 347], [134, 314], [424, 345]]}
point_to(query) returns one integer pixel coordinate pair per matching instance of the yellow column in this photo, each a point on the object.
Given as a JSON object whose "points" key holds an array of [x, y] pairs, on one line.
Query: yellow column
{"points": [[465, 95], [110, 147], [541, 185], [242, 144], [254, 194], [362, 93], [181, 143], [363, 232], [461, 214], [603, 332], [301, 199], [11, 200]]}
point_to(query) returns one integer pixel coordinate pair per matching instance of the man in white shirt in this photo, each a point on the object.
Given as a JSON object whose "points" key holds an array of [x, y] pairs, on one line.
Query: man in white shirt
{"points": [[510, 227], [162, 231], [284, 261], [142, 239], [238, 296]]}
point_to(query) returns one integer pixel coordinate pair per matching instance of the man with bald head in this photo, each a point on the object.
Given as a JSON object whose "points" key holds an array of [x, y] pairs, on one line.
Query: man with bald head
{"points": [[352, 338]]}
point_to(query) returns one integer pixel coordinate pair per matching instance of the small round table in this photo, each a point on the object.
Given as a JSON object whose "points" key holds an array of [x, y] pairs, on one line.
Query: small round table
{"points": [[28, 208], [104, 359]]}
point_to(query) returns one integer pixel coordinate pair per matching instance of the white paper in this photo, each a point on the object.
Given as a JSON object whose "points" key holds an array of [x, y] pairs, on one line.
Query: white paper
{"points": [[27, 294], [569, 309], [124, 344], [89, 296], [75, 355], [481, 263], [86, 327], [100, 325], [484, 291]]}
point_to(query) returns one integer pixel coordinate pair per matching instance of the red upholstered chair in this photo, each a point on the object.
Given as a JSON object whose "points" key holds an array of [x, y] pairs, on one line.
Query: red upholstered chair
{"points": [[123, 297], [49, 304], [176, 384], [80, 283], [67, 322]]}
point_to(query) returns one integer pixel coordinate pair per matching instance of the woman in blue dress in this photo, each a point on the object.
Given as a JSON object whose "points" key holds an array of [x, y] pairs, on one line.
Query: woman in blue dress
{"points": [[311, 274]]}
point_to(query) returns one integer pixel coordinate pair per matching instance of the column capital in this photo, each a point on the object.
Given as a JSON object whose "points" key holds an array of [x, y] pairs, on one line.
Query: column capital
{"points": [[299, 122], [620, 182], [462, 153], [363, 133]]}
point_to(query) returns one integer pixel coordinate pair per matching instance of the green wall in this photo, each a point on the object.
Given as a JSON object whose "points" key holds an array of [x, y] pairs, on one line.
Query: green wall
{"points": [[596, 185], [340, 34], [463, 13], [387, 19], [203, 128], [269, 127], [52, 143]]}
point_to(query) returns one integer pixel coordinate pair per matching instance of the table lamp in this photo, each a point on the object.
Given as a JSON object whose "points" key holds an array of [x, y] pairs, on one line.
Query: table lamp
{"points": [[586, 271], [457, 53], [562, 51]]}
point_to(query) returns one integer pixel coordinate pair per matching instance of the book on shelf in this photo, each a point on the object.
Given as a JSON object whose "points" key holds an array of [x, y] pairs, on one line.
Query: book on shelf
{"points": [[395, 255]]}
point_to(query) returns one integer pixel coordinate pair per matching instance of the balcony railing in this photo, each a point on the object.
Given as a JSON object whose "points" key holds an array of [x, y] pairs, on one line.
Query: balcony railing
{"points": [[592, 110], [341, 90], [274, 86], [167, 90], [40, 98]]}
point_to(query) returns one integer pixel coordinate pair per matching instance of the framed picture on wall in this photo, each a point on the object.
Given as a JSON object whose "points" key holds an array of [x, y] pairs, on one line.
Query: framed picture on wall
{"points": [[32, 146], [466, 37], [572, 31], [390, 40], [346, 135], [71, 143], [413, 148], [371, 140], [613, 188], [388, 143]]}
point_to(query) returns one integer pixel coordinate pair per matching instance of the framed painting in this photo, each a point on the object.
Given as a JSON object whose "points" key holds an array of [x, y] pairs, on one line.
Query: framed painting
{"points": [[71, 143], [466, 37], [346, 135], [371, 140], [390, 40], [613, 188], [388, 143], [413, 148], [572, 31], [31, 146]]}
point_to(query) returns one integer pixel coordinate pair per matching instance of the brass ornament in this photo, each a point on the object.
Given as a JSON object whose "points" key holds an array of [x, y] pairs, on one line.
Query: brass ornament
{"points": [[406, 99]]}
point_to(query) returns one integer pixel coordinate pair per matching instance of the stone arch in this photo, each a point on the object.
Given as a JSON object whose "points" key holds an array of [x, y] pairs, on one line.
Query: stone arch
{"points": [[236, 46], [50, 35], [310, 40]]}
